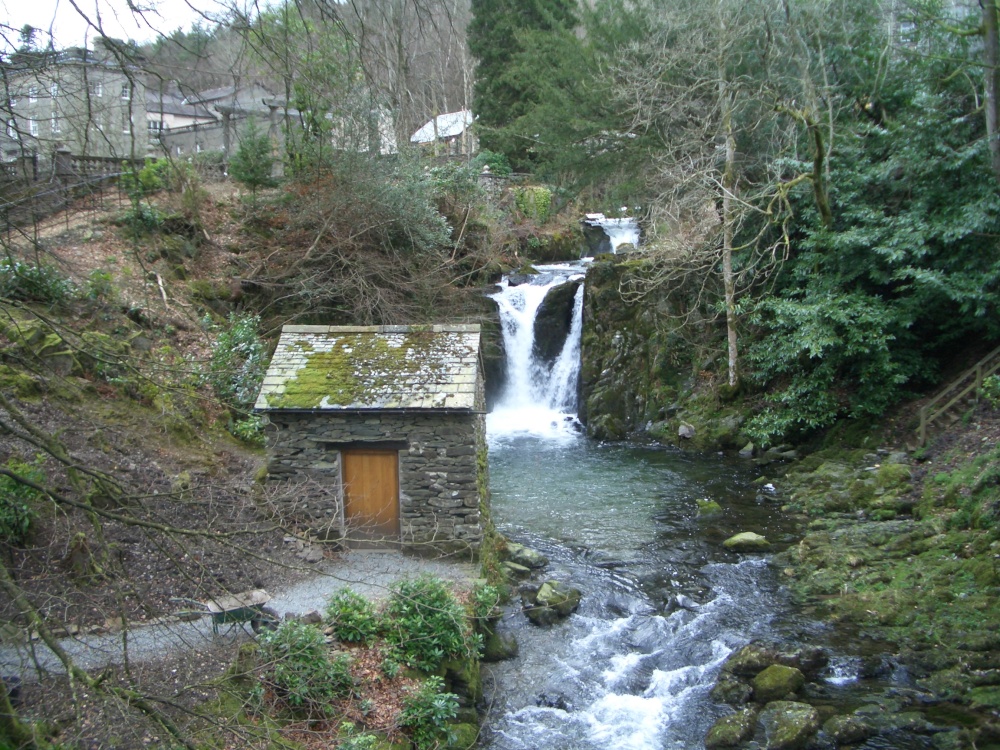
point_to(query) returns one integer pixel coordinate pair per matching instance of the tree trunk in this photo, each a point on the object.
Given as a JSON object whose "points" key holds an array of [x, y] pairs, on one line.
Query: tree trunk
{"points": [[991, 44], [728, 221]]}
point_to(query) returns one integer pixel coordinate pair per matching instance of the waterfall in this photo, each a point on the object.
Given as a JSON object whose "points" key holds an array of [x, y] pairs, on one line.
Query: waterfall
{"points": [[616, 232], [540, 394]]}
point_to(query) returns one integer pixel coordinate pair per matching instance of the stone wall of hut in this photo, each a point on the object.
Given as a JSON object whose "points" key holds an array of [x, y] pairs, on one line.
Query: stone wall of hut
{"points": [[442, 472]]}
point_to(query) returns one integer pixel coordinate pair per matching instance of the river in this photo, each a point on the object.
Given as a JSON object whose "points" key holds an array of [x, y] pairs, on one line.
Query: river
{"points": [[664, 603], [621, 523]]}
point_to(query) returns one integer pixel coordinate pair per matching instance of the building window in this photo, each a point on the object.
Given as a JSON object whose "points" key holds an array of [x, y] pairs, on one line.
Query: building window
{"points": [[55, 122], [13, 101], [54, 90], [126, 92], [32, 94], [126, 123], [97, 89], [155, 127], [179, 151], [197, 148], [12, 129], [33, 127]]}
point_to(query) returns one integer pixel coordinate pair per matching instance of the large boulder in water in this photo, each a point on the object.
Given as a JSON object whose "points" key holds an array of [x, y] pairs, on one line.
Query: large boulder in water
{"points": [[776, 682], [554, 319], [525, 556], [732, 730], [747, 541], [552, 602], [789, 725]]}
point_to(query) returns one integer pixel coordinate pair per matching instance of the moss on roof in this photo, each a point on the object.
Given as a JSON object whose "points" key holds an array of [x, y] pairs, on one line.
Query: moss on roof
{"points": [[379, 367]]}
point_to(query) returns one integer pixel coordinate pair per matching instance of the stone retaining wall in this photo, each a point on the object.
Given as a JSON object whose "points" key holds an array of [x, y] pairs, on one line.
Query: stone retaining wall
{"points": [[441, 472]]}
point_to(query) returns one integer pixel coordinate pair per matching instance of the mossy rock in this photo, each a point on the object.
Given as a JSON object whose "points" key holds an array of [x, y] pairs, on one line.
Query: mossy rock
{"points": [[499, 647], [463, 678], [788, 725], [28, 333], [525, 556], [848, 730], [708, 507], [554, 601], [750, 660], [732, 730], [747, 541], [776, 682], [732, 690], [893, 477], [18, 383], [462, 736], [514, 571], [606, 427]]}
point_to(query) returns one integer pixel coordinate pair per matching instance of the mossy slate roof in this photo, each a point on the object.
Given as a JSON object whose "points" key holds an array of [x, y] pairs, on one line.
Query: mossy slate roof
{"points": [[329, 368]]}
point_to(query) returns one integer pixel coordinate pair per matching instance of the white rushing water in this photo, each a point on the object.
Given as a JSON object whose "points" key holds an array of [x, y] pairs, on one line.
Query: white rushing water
{"points": [[623, 231], [539, 397]]}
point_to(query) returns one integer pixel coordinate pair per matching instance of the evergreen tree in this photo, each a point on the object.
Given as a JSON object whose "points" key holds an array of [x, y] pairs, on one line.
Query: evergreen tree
{"points": [[252, 163], [496, 37]]}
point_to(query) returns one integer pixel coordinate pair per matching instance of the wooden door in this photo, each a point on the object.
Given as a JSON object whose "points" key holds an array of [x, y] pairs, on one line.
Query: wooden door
{"points": [[371, 494]]}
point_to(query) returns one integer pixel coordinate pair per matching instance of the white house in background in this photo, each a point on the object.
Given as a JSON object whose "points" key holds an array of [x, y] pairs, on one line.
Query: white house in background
{"points": [[450, 134]]}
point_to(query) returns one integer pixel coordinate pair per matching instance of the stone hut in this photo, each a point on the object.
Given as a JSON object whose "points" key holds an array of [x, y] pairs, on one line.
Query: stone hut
{"points": [[376, 435]]}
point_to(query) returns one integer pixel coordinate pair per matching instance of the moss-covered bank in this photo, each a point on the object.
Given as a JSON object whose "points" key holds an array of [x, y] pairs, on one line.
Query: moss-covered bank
{"points": [[904, 558]]}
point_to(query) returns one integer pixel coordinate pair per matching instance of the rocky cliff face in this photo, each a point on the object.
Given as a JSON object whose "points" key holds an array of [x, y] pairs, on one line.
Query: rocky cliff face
{"points": [[652, 366]]}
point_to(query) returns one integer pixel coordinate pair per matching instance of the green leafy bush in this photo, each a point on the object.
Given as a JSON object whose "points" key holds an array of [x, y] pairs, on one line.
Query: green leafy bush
{"points": [[299, 667], [238, 362], [814, 345], [498, 163], [535, 202], [425, 624], [426, 711], [153, 177], [31, 282], [352, 616], [485, 598], [991, 390], [100, 285], [250, 430], [351, 739], [142, 219], [17, 512]]}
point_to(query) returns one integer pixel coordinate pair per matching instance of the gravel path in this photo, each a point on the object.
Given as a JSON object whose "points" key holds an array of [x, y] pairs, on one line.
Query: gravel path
{"points": [[368, 572]]}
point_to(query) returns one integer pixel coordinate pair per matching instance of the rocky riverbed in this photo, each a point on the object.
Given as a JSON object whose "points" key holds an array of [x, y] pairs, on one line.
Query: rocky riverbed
{"points": [[900, 554]]}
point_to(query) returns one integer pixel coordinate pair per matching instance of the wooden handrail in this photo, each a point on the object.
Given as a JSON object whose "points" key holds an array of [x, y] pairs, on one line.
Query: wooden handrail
{"points": [[930, 412]]}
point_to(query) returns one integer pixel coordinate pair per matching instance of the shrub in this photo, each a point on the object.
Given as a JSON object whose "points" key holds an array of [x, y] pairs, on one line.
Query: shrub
{"points": [[299, 667], [153, 177], [425, 624], [351, 739], [252, 163], [28, 282], [352, 617], [250, 430], [100, 286], [142, 218], [991, 390], [535, 202], [498, 163], [239, 361], [17, 513], [485, 598], [426, 711]]}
